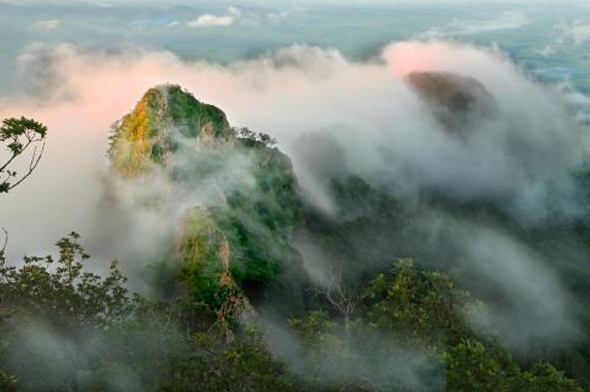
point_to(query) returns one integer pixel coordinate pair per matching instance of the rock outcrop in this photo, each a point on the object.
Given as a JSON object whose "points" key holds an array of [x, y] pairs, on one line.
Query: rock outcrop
{"points": [[234, 242], [457, 102]]}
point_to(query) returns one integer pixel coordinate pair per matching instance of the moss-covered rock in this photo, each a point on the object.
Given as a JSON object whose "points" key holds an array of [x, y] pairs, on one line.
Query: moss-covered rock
{"points": [[205, 275]]}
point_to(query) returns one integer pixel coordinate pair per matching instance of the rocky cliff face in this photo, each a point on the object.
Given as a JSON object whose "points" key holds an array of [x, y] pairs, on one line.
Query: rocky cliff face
{"points": [[151, 132], [234, 242]]}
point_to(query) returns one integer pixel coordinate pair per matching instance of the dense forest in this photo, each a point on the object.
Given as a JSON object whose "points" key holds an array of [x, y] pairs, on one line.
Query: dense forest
{"points": [[234, 304]]}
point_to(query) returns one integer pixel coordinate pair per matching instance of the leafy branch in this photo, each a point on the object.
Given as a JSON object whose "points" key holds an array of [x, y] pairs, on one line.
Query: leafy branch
{"points": [[19, 136], [255, 137]]}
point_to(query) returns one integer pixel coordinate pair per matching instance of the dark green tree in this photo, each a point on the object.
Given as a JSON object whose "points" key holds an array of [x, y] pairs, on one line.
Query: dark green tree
{"points": [[425, 307], [473, 366], [68, 303]]}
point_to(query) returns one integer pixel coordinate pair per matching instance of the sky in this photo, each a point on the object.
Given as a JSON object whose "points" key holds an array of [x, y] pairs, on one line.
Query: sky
{"points": [[226, 31]]}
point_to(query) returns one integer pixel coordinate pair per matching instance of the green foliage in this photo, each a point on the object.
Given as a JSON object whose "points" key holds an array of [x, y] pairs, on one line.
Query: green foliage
{"points": [[204, 363], [63, 328], [63, 304], [61, 292], [253, 139], [258, 222], [544, 377], [190, 115], [471, 366], [425, 307], [8, 383], [315, 328], [204, 273], [409, 311], [67, 329], [18, 136]]}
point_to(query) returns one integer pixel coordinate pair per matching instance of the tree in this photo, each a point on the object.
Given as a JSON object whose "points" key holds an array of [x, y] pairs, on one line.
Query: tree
{"points": [[244, 365], [423, 306], [18, 137], [63, 301], [251, 138], [343, 300], [428, 309], [473, 366]]}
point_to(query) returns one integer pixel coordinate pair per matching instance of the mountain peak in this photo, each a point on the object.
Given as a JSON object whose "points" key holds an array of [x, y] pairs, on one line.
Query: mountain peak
{"points": [[190, 116], [456, 101], [164, 115]]}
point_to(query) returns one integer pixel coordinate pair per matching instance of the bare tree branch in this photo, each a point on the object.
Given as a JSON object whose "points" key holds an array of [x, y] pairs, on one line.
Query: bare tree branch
{"points": [[343, 301]]}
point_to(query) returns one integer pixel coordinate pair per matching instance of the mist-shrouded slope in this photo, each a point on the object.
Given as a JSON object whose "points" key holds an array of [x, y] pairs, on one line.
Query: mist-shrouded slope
{"points": [[226, 206], [531, 272], [229, 208], [233, 198], [458, 102]]}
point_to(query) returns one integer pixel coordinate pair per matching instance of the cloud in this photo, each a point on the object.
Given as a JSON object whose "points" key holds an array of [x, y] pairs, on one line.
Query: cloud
{"points": [[505, 21], [520, 161], [380, 122], [537, 306], [245, 17], [568, 36], [547, 51], [240, 16], [250, 18], [235, 11], [342, 359], [45, 25], [208, 20], [577, 33]]}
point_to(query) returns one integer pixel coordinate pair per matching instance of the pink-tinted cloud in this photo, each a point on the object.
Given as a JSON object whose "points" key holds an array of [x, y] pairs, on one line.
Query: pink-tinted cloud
{"points": [[294, 90]]}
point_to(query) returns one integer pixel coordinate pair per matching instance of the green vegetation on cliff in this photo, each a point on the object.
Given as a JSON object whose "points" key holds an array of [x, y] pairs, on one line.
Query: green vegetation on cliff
{"points": [[236, 241], [151, 131]]}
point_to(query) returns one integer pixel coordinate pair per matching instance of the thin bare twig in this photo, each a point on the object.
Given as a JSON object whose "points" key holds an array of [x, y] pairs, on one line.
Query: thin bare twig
{"points": [[344, 302], [32, 165], [5, 243]]}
